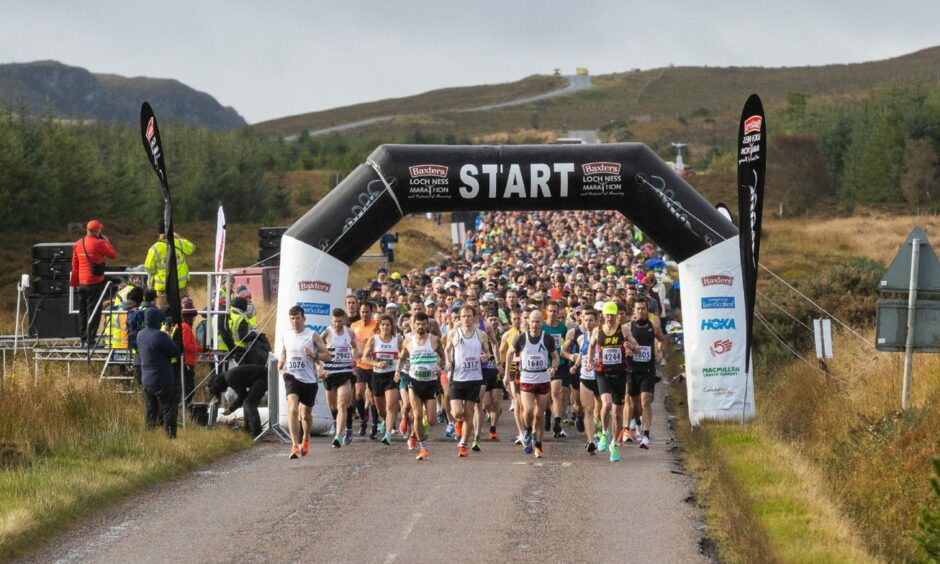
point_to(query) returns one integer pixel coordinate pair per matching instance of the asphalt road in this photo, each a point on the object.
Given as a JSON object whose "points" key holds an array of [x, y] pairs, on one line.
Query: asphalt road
{"points": [[371, 503]]}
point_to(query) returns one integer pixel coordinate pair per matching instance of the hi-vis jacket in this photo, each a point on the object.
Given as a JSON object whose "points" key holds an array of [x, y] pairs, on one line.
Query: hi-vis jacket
{"points": [[155, 265]]}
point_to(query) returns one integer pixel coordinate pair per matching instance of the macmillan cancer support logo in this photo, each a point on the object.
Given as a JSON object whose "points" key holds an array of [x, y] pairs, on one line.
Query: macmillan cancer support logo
{"points": [[721, 371]]}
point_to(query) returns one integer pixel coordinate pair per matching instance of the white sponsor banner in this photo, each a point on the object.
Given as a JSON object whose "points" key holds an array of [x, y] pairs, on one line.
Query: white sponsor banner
{"points": [[713, 324], [217, 265], [316, 282]]}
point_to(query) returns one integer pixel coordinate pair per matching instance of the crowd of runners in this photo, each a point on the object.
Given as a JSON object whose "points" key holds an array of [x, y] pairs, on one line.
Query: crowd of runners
{"points": [[561, 313]]}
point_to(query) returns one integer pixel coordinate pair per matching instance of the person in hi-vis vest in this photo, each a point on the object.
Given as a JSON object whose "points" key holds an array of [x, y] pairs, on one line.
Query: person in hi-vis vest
{"points": [[155, 265]]}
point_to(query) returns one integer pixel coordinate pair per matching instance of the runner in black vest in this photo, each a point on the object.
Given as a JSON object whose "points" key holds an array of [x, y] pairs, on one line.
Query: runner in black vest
{"points": [[642, 379]]}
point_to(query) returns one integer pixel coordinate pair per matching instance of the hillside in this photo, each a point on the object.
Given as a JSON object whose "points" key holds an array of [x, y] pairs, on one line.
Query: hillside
{"points": [[74, 93], [638, 97]]}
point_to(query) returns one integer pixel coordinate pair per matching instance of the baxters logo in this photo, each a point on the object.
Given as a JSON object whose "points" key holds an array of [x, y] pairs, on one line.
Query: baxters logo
{"points": [[437, 171], [713, 279], [149, 133], [752, 124], [600, 168], [720, 347], [315, 285]]}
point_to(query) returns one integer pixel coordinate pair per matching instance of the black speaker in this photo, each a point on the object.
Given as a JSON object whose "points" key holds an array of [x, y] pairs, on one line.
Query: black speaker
{"points": [[269, 257], [48, 286], [49, 317], [50, 251], [269, 243], [56, 268], [271, 232]]}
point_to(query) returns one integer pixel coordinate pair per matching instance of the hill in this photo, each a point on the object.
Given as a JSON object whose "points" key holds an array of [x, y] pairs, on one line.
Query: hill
{"points": [[618, 100], [75, 93]]}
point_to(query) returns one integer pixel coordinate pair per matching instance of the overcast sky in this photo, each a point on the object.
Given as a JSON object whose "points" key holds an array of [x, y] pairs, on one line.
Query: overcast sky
{"points": [[272, 59]]}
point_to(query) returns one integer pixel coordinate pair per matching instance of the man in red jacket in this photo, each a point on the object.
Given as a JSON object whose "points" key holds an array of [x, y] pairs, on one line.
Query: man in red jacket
{"points": [[88, 256]]}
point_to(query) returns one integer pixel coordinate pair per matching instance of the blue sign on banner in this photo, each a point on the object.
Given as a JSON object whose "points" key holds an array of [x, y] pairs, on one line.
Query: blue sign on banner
{"points": [[315, 308], [719, 302]]}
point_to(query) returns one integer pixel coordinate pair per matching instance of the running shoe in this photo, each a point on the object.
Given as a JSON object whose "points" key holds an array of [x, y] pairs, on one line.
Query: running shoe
{"points": [[597, 438], [638, 435], [562, 434], [294, 452], [614, 453], [412, 443], [475, 447], [626, 436], [462, 451], [579, 423], [458, 429], [333, 428], [567, 421], [526, 437], [441, 417], [304, 447], [528, 446], [337, 442], [422, 454], [556, 429], [512, 405], [382, 428], [591, 448], [362, 428], [347, 439], [374, 433], [604, 443], [538, 453], [494, 437], [403, 427], [449, 432], [518, 441], [387, 439], [645, 442]]}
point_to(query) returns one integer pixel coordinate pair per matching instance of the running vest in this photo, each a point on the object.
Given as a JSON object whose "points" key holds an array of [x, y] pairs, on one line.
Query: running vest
{"points": [[558, 333], [467, 353], [644, 359], [534, 361], [386, 353], [514, 364], [423, 360], [587, 364], [299, 365], [340, 348], [610, 355]]}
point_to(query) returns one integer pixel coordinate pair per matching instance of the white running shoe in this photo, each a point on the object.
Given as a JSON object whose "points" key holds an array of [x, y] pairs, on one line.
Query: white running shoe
{"points": [[645, 442], [512, 405], [638, 434]]}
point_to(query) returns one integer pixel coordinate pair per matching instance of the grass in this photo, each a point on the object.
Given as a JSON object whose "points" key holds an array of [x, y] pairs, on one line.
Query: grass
{"points": [[835, 454], [699, 105], [69, 449], [421, 244]]}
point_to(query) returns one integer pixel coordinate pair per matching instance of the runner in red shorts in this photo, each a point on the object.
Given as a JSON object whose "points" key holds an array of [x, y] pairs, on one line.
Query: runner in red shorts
{"points": [[538, 361]]}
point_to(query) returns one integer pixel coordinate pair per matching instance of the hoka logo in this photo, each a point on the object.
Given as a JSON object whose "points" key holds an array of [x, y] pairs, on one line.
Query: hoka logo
{"points": [[718, 324]]}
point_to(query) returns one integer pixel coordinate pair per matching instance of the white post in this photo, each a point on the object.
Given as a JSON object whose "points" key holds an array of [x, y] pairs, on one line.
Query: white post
{"points": [[909, 345], [16, 321]]}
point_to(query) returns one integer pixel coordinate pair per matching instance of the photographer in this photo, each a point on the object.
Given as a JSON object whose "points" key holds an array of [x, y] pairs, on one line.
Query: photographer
{"points": [[88, 256]]}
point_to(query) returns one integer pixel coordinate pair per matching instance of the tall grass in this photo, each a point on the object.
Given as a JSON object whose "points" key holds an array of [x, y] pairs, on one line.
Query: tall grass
{"points": [[69, 448]]}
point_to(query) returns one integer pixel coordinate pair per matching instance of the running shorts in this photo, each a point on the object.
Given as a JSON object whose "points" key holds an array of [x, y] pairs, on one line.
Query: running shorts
{"points": [[613, 383], [424, 389], [538, 389], [642, 381], [466, 391], [307, 393], [334, 381], [383, 381]]}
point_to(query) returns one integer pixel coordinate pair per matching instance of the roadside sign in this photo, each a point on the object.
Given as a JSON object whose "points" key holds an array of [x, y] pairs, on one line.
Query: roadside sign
{"points": [[891, 332], [898, 276], [822, 330]]}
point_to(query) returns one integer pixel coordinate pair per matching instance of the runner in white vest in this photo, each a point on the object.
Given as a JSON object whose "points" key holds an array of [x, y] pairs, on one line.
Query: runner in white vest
{"points": [[424, 352], [341, 342], [381, 352], [466, 351]]}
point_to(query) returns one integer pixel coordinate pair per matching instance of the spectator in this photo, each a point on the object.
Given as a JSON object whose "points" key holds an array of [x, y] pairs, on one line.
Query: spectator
{"points": [[155, 265], [88, 255], [387, 243], [157, 352], [249, 382]]}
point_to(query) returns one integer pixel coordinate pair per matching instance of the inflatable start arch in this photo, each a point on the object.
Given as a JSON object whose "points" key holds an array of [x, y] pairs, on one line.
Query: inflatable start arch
{"points": [[397, 180]]}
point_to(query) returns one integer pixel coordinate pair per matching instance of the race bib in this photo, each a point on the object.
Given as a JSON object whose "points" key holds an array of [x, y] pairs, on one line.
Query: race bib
{"points": [[471, 364], [297, 363], [611, 355], [422, 373], [535, 364], [643, 355], [342, 355], [386, 358]]}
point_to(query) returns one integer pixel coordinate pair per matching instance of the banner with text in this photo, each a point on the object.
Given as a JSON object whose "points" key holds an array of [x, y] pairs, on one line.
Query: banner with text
{"points": [[713, 318]]}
